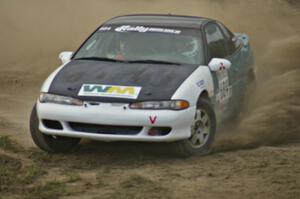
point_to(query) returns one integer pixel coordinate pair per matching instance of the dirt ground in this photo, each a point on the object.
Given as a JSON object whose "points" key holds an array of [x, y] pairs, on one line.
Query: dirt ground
{"points": [[257, 156]]}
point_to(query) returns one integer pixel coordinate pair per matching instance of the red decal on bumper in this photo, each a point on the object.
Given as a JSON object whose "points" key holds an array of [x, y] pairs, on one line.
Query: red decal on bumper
{"points": [[152, 119]]}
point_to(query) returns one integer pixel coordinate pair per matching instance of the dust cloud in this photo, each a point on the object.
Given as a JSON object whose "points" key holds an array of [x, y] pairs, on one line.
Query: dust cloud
{"points": [[272, 110], [33, 32]]}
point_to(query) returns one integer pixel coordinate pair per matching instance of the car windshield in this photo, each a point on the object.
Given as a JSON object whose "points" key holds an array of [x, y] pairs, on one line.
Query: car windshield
{"points": [[144, 44]]}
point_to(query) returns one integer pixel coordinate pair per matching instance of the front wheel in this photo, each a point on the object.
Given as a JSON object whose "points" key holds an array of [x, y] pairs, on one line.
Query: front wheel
{"points": [[202, 131], [49, 143]]}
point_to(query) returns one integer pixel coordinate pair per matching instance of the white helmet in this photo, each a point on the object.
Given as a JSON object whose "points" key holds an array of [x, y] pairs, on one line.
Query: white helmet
{"points": [[190, 47]]}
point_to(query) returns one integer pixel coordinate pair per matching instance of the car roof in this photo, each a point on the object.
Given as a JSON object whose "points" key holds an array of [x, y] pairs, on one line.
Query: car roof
{"points": [[170, 20]]}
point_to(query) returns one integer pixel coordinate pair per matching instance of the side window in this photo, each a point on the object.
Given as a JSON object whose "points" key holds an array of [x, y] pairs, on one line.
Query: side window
{"points": [[216, 43], [230, 39]]}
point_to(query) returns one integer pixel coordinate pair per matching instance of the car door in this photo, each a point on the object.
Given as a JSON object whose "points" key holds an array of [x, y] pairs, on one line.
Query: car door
{"points": [[238, 71], [216, 47]]}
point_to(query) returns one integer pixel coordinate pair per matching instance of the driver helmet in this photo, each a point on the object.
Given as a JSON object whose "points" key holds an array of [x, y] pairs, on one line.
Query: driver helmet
{"points": [[190, 47]]}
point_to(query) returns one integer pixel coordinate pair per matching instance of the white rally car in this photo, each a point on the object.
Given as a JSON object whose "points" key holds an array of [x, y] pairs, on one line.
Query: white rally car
{"points": [[152, 78]]}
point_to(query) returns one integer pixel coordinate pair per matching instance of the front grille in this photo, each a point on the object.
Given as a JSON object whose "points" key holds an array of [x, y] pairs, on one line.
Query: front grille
{"points": [[52, 124], [105, 129]]}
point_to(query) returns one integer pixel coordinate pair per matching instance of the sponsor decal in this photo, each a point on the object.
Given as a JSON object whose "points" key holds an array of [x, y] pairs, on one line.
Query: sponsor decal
{"points": [[100, 90], [201, 84], [225, 90], [152, 119], [105, 28], [143, 29]]}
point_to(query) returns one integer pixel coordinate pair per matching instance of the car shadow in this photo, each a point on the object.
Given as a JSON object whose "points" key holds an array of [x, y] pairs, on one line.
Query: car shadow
{"points": [[103, 155]]}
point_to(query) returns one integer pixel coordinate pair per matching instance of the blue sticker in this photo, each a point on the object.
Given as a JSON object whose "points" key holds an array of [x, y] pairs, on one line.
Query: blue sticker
{"points": [[201, 84]]}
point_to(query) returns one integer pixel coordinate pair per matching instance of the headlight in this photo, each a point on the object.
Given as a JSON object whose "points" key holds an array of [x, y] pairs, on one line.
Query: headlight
{"points": [[172, 105], [57, 99]]}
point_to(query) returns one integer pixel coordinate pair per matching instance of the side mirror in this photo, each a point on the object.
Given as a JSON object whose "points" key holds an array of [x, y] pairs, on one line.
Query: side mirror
{"points": [[65, 56], [217, 64]]}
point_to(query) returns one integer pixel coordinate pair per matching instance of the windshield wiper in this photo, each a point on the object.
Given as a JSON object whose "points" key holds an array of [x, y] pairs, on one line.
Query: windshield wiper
{"points": [[99, 59], [150, 61]]}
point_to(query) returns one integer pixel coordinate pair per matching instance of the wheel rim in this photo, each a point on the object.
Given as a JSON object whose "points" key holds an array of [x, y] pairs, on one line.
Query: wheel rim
{"points": [[200, 129]]}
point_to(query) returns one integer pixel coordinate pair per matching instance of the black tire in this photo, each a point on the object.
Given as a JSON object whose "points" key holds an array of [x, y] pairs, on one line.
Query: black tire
{"points": [[48, 143], [241, 103], [184, 148], [251, 82], [249, 90]]}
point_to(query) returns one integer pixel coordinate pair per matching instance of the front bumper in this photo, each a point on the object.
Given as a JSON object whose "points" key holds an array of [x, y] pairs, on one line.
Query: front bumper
{"points": [[119, 115]]}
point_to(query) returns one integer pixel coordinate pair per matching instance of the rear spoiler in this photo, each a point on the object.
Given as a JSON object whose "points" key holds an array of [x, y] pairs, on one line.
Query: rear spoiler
{"points": [[246, 46], [243, 37]]}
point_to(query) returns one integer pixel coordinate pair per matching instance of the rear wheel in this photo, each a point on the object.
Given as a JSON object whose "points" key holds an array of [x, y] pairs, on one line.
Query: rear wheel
{"points": [[202, 131], [251, 82], [49, 143]]}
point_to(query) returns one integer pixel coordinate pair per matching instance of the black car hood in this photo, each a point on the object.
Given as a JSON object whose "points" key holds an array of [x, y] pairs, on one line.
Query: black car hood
{"points": [[157, 81]]}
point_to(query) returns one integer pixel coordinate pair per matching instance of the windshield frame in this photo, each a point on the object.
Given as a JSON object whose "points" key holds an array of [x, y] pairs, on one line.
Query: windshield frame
{"points": [[198, 33]]}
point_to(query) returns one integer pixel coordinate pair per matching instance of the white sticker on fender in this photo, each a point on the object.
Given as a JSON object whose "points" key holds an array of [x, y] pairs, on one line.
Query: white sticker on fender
{"points": [[100, 90], [225, 90]]}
